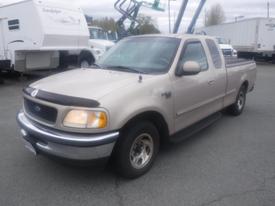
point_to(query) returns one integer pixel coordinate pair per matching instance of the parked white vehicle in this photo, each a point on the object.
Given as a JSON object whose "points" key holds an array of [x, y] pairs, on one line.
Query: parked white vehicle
{"points": [[43, 34], [226, 47], [99, 41], [250, 37]]}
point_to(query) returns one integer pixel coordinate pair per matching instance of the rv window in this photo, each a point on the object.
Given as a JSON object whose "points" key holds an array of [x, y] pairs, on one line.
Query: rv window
{"points": [[13, 24]]}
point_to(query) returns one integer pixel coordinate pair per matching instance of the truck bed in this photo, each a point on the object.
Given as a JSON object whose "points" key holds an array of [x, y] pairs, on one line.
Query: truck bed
{"points": [[234, 61]]}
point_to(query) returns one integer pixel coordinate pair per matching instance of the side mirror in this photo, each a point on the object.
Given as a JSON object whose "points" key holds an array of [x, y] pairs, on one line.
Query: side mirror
{"points": [[190, 68]]}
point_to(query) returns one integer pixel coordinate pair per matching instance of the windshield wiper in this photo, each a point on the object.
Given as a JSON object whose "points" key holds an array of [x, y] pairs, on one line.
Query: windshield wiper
{"points": [[124, 68]]}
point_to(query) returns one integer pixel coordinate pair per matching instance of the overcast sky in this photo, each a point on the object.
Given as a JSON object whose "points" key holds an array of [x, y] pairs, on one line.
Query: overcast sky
{"points": [[232, 8]]}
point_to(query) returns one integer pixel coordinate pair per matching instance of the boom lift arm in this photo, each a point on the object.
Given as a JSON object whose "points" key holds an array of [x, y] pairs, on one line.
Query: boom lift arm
{"points": [[129, 10], [192, 24]]}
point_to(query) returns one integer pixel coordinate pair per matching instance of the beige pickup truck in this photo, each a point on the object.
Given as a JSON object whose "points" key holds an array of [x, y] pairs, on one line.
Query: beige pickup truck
{"points": [[146, 91]]}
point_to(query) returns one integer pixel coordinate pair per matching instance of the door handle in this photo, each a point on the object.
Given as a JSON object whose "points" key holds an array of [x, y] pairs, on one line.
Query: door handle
{"points": [[211, 82]]}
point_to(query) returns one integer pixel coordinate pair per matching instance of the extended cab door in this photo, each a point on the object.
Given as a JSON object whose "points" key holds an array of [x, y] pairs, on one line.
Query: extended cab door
{"points": [[197, 96]]}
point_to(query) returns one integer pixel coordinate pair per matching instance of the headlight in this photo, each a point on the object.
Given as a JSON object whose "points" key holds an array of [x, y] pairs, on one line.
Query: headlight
{"points": [[85, 119]]}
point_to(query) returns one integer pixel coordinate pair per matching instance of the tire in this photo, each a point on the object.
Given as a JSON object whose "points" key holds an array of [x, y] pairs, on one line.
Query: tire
{"points": [[273, 59], [237, 108], [14, 73], [84, 63], [63, 63], [136, 150], [85, 60]]}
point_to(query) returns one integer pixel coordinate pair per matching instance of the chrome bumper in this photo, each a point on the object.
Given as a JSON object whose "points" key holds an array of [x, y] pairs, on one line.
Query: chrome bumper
{"points": [[67, 145]]}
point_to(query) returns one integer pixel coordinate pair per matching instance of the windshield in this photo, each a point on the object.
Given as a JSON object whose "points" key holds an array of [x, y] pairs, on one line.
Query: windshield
{"points": [[223, 41], [96, 33], [142, 54]]}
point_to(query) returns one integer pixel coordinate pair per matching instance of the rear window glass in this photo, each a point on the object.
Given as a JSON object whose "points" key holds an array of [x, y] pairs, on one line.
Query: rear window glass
{"points": [[215, 55]]}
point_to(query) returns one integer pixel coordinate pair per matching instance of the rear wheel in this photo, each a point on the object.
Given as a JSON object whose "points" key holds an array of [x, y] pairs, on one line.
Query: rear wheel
{"points": [[136, 150], [238, 107], [84, 63], [85, 60], [273, 59]]}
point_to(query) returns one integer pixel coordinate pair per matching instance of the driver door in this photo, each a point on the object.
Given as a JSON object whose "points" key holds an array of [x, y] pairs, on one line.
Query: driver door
{"points": [[194, 94]]}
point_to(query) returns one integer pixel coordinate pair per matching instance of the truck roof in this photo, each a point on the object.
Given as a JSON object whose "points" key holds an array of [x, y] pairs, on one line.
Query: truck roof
{"points": [[179, 36]]}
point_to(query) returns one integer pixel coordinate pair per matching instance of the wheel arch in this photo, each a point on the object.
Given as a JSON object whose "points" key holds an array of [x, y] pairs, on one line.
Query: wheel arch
{"points": [[154, 117], [246, 84]]}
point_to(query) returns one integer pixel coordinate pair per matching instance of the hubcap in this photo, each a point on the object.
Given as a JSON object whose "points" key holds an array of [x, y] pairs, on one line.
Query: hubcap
{"points": [[84, 64], [141, 151], [240, 102]]}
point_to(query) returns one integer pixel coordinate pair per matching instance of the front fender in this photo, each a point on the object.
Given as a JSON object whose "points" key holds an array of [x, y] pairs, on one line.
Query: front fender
{"points": [[138, 98], [168, 120]]}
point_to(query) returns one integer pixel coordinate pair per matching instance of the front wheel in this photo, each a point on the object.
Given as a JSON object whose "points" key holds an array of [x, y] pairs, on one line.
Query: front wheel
{"points": [[237, 108], [136, 150]]}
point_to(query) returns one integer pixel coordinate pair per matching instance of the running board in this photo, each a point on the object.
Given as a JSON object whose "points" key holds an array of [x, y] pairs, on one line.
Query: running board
{"points": [[190, 131]]}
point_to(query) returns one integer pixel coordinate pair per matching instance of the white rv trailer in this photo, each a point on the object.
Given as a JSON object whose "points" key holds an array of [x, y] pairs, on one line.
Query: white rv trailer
{"points": [[250, 37], [43, 34]]}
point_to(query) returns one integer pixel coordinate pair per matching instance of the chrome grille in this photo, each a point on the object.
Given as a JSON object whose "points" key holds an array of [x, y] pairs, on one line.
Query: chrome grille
{"points": [[40, 112]]}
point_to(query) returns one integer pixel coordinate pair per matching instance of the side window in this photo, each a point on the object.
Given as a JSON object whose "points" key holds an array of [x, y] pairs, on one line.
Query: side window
{"points": [[194, 51], [13, 24], [215, 55]]}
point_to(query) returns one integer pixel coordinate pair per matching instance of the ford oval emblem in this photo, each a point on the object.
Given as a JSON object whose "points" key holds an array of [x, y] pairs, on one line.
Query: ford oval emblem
{"points": [[34, 93], [37, 108]]}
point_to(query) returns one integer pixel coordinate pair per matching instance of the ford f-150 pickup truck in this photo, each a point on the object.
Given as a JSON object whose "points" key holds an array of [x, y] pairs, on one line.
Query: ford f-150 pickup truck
{"points": [[146, 91]]}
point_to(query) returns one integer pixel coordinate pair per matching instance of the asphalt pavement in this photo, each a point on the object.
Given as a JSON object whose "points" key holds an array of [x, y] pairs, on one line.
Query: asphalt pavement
{"points": [[231, 163]]}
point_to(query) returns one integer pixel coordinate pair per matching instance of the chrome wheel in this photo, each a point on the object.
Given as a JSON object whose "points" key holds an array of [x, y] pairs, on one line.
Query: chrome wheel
{"points": [[141, 151], [241, 100]]}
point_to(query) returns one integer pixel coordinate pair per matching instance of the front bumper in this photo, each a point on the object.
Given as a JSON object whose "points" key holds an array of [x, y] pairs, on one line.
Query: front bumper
{"points": [[66, 145]]}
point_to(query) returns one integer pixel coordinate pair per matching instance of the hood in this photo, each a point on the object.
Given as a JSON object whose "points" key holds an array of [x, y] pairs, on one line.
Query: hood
{"points": [[86, 83], [101, 43]]}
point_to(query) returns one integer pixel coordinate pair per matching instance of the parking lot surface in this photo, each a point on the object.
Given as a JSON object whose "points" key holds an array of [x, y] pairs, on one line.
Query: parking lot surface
{"points": [[230, 163]]}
